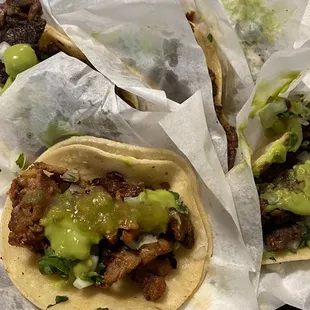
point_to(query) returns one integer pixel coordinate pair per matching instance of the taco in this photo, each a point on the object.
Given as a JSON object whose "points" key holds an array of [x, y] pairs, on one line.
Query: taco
{"points": [[121, 222], [207, 44], [281, 167]]}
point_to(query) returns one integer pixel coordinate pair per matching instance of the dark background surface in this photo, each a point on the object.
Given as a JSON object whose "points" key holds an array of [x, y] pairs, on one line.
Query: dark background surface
{"points": [[288, 308]]}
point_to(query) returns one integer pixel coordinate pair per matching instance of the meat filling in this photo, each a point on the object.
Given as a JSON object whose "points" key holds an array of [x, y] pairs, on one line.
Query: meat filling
{"points": [[33, 191], [31, 194]]}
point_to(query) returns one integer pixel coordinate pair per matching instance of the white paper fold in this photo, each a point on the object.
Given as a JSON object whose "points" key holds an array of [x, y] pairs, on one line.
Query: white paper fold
{"points": [[138, 45]]}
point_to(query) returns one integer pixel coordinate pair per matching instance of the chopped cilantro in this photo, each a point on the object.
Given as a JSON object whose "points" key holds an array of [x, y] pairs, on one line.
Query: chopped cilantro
{"points": [[92, 277], [101, 268], [71, 176], [58, 300], [182, 207], [210, 37], [20, 162], [50, 263], [269, 255]]}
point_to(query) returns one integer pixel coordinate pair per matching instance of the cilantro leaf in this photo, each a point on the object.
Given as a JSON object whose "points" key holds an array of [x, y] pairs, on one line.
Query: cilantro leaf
{"points": [[182, 207], [92, 276], [50, 263], [20, 161], [58, 300], [72, 176]]}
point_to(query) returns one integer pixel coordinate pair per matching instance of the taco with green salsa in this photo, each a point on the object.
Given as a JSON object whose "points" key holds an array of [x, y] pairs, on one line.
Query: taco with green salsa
{"points": [[105, 224], [281, 168]]}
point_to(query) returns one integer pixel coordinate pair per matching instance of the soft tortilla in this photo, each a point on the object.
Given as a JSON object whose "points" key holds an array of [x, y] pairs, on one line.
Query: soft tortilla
{"points": [[93, 157], [288, 256]]}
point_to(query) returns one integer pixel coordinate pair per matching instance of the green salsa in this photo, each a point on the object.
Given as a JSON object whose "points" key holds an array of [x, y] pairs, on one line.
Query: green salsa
{"points": [[294, 194], [75, 222], [19, 58]]}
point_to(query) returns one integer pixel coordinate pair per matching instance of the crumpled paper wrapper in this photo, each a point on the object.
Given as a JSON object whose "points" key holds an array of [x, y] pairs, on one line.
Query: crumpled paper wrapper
{"points": [[237, 79], [265, 26], [63, 87], [140, 45], [285, 283]]}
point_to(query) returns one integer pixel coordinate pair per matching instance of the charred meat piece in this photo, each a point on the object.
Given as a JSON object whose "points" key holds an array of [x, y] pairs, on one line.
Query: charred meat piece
{"points": [[21, 22], [160, 266], [165, 185], [277, 218], [129, 236], [232, 144], [31, 194], [3, 75], [150, 251], [279, 239], [122, 263], [117, 186], [182, 228], [153, 287]]}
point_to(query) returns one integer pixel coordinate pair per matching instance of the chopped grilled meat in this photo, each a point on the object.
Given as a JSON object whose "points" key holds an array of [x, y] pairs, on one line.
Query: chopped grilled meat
{"points": [[275, 170], [153, 287], [279, 239], [277, 218], [165, 185], [232, 144], [214, 86], [122, 263], [159, 266], [181, 228], [3, 75], [150, 251], [31, 194], [128, 236], [117, 186], [190, 16], [21, 22]]}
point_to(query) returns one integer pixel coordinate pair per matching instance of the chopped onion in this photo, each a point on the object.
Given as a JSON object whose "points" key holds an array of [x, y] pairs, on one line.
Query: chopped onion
{"points": [[95, 260], [75, 188], [132, 200], [145, 239], [80, 284]]}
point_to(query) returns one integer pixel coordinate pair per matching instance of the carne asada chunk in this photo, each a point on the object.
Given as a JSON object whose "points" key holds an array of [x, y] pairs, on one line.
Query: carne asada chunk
{"points": [[118, 187], [122, 263], [182, 228], [150, 251], [153, 287], [279, 239], [31, 194], [160, 266]]}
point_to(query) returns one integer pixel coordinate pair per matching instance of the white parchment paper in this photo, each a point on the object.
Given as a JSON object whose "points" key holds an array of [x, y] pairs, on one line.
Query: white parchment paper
{"points": [[138, 45], [86, 100], [237, 79], [286, 283], [265, 26]]}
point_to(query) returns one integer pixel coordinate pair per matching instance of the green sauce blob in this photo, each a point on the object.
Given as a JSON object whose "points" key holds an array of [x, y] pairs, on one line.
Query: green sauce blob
{"points": [[75, 222], [19, 58], [292, 195]]}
